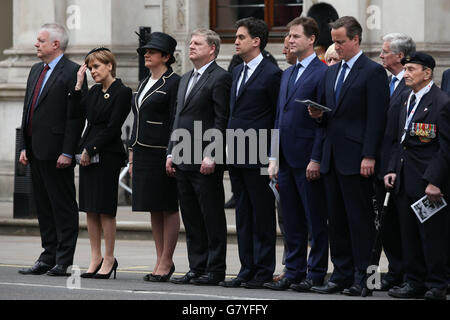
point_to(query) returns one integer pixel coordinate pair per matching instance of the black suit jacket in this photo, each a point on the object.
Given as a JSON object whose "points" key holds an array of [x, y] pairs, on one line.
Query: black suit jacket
{"points": [[208, 103], [416, 161], [254, 108], [390, 133], [54, 132], [153, 119], [355, 126], [445, 85], [105, 114]]}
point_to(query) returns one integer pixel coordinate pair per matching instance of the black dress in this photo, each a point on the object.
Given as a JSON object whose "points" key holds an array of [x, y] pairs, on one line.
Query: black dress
{"points": [[153, 190], [105, 113]]}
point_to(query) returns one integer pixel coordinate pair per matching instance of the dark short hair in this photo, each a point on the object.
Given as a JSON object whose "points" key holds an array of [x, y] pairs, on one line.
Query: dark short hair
{"points": [[257, 28], [310, 26], [351, 25]]}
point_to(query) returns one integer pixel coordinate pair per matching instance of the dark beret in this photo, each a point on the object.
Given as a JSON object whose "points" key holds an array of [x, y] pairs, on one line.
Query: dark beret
{"points": [[420, 58]]}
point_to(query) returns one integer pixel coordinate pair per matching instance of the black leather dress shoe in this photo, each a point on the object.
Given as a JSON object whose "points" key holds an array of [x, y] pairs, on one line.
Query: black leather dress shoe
{"points": [[254, 284], [210, 279], [305, 285], [186, 278], [436, 294], [329, 288], [280, 285], [37, 269], [386, 285], [58, 271], [355, 291], [407, 292], [233, 283]]}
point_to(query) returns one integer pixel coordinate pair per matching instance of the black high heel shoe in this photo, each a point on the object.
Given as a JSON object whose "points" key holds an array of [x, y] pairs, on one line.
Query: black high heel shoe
{"points": [[108, 275], [91, 274], [163, 278]]}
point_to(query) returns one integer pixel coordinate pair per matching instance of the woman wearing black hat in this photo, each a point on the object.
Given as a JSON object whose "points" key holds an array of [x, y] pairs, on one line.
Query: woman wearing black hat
{"points": [[154, 107], [105, 107]]}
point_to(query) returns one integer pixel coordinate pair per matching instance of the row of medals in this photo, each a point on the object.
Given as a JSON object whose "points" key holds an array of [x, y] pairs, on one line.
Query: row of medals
{"points": [[423, 130]]}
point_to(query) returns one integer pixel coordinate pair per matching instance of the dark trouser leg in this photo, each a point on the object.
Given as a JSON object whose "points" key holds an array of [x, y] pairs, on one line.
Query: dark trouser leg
{"points": [[57, 211], [196, 237], [424, 245]]}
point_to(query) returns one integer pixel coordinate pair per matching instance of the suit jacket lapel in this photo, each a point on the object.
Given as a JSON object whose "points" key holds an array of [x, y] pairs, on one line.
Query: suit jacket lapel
{"points": [[184, 82], [399, 89], [353, 74], [308, 71], [34, 80], [423, 107], [55, 73], [234, 87], [254, 75], [203, 79]]}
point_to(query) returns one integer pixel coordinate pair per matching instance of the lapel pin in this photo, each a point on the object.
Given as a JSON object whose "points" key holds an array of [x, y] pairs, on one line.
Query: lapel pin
{"points": [[425, 110]]}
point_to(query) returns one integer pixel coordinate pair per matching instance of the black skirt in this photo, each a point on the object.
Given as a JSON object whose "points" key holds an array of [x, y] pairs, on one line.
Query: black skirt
{"points": [[99, 185], [153, 190]]}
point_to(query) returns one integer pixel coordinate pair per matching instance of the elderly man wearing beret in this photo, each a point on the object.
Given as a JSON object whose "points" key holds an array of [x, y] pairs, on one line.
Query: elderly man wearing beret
{"points": [[419, 166]]}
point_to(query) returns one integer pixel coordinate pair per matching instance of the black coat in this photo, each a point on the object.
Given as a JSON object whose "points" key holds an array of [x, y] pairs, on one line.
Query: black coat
{"points": [[153, 119], [54, 132], [105, 114], [208, 103], [390, 133], [418, 161]]}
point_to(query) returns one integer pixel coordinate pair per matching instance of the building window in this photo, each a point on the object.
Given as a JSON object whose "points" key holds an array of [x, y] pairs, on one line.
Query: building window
{"points": [[276, 13]]}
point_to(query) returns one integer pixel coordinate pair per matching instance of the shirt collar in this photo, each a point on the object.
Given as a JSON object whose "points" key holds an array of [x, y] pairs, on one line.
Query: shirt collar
{"points": [[400, 75], [352, 61], [252, 64], [203, 69], [55, 61], [305, 62], [423, 91]]}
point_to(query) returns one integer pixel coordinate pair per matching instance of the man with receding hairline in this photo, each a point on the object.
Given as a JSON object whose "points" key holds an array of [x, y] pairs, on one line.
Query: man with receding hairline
{"points": [[49, 139]]}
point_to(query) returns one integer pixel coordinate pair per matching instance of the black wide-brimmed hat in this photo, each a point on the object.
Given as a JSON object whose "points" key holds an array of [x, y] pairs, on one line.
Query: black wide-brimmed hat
{"points": [[162, 42]]}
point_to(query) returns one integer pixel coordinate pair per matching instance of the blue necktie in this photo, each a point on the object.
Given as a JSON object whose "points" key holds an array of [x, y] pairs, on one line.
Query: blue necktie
{"points": [[244, 79], [340, 82], [392, 85], [293, 78]]}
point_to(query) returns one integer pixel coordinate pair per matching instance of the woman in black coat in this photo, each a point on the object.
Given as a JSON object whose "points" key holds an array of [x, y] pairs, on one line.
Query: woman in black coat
{"points": [[105, 107], [154, 107]]}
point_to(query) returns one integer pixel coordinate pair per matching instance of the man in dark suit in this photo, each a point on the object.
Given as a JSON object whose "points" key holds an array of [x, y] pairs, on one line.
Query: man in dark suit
{"points": [[357, 92], [300, 143], [445, 84], [49, 141], [419, 165], [203, 96], [253, 100], [395, 47]]}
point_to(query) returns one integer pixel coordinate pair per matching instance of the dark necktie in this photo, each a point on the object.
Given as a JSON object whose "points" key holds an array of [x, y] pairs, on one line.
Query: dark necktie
{"points": [[193, 83], [340, 82], [244, 79], [293, 78], [412, 103], [36, 93], [392, 85]]}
